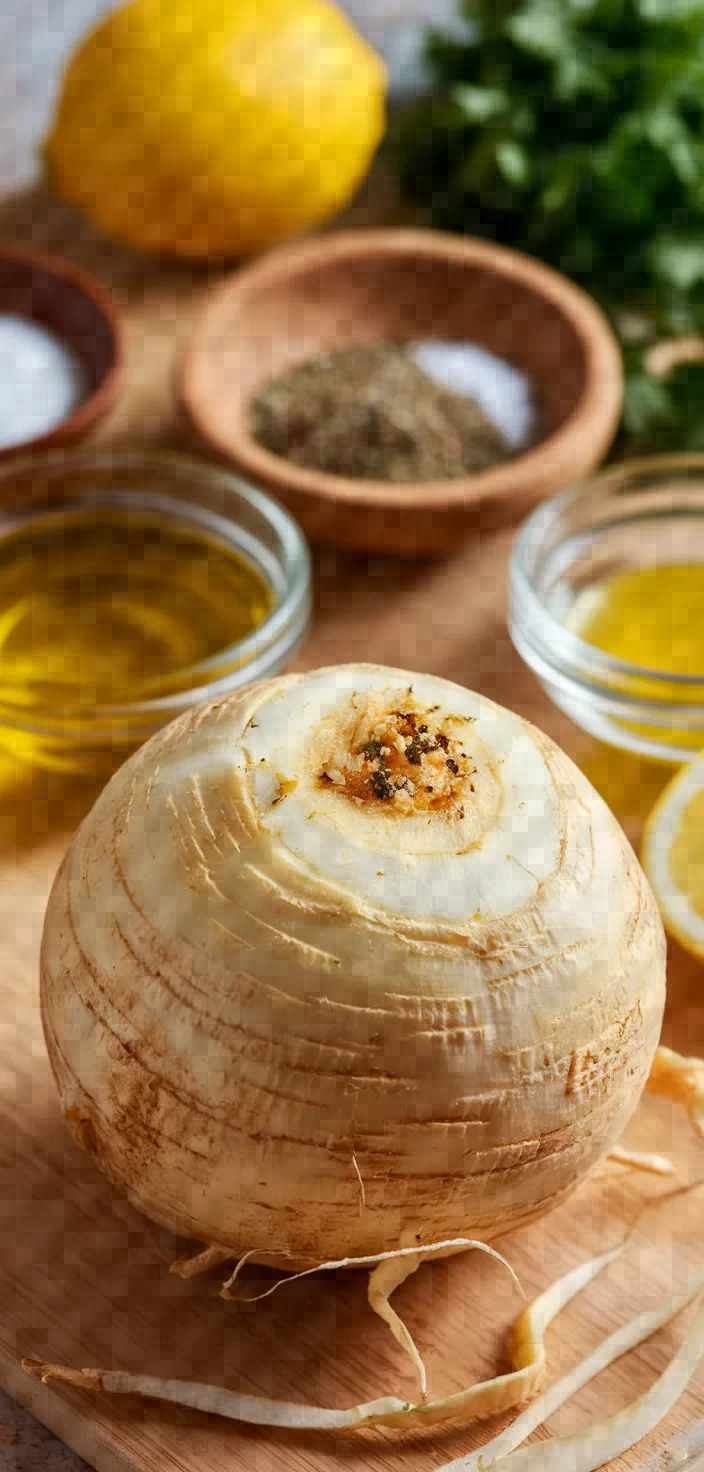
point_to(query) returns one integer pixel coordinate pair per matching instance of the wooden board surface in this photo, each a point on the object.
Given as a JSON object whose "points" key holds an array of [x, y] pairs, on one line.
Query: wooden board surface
{"points": [[83, 1278]]}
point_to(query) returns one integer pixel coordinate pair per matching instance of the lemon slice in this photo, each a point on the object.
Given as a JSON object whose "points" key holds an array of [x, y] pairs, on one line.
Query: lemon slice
{"points": [[673, 855]]}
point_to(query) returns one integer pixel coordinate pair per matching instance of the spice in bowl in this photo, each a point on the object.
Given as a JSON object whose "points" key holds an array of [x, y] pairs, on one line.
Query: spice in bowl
{"points": [[397, 412]]}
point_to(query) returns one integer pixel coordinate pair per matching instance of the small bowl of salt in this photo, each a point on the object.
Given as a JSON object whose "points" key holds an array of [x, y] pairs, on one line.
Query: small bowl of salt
{"points": [[60, 351]]}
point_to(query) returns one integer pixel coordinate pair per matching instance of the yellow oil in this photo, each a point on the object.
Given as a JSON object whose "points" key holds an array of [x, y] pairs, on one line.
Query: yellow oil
{"points": [[108, 607], [652, 617]]}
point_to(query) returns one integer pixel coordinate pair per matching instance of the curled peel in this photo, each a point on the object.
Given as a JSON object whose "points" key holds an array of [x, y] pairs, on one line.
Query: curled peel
{"points": [[429, 1249], [682, 1080], [503, 1392], [382, 1283], [603, 1440], [582, 1453], [392, 1269], [646, 1160], [202, 1262], [624, 1339]]}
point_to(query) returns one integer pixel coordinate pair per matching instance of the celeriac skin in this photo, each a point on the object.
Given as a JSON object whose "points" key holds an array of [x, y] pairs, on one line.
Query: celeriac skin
{"points": [[292, 1017]]}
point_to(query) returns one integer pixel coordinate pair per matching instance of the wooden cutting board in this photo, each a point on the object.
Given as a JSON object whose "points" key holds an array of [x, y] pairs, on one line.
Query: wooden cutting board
{"points": [[84, 1279]]}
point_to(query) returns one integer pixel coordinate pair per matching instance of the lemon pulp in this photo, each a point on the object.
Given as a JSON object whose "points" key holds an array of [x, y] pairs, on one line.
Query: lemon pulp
{"points": [[673, 855], [687, 853]]}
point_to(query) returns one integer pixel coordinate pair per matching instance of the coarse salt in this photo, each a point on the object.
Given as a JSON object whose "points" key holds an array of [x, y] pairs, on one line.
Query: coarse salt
{"points": [[502, 391], [41, 380]]}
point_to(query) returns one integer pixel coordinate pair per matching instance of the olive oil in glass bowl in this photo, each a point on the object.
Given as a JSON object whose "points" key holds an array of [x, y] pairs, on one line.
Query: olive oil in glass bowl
{"points": [[607, 604], [132, 587]]}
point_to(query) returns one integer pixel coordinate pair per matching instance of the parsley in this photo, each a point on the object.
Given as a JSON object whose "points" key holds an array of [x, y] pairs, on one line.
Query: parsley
{"points": [[372, 750], [574, 130], [381, 785], [414, 751]]}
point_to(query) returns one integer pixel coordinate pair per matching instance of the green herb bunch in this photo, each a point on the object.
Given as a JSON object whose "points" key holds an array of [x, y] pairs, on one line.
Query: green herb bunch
{"points": [[574, 130]]}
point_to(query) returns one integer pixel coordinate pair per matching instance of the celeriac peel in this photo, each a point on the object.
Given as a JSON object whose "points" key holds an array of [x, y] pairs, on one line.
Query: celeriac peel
{"points": [[582, 1452]]}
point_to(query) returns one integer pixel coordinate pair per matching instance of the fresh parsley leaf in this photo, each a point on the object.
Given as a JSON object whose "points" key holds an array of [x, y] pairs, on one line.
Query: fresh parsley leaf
{"points": [[574, 130]]}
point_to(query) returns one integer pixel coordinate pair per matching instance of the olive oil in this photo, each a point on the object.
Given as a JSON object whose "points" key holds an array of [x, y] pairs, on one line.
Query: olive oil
{"points": [[106, 607], [652, 618]]}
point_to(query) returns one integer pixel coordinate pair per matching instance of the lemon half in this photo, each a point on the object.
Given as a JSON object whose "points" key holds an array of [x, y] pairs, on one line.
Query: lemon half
{"points": [[673, 855], [219, 128]]}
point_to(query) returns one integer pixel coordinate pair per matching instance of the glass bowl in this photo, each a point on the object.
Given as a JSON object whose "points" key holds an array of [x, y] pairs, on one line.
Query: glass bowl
{"points": [[195, 496], [638, 514]]}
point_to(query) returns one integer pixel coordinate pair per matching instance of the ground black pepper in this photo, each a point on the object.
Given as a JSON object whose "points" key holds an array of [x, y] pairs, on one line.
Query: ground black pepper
{"points": [[370, 412]]}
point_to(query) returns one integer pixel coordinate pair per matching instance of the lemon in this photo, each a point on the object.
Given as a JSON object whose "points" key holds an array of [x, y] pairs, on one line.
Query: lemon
{"points": [[673, 855], [216, 128]]}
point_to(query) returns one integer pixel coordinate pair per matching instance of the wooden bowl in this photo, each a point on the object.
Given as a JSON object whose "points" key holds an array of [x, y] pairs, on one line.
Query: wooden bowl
{"points": [[75, 309], [362, 286]]}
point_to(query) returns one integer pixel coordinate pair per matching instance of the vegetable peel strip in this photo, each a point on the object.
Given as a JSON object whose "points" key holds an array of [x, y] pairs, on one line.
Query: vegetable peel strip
{"points": [[682, 1080], [599, 1443], [212, 1399], [657, 1165], [455, 1244], [385, 1279], [627, 1337], [391, 1270], [485, 1398], [190, 1267]]}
